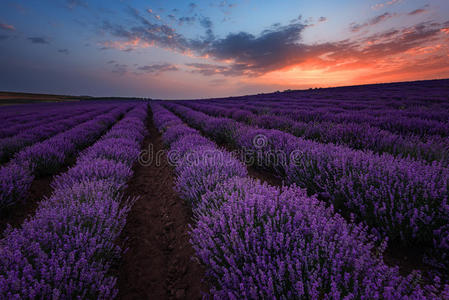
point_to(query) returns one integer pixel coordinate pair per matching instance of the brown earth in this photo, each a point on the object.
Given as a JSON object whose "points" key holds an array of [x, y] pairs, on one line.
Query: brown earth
{"points": [[158, 263], [17, 213]]}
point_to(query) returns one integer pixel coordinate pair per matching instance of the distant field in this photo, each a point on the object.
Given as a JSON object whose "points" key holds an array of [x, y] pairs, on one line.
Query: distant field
{"points": [[10, 98], [317, 194]]}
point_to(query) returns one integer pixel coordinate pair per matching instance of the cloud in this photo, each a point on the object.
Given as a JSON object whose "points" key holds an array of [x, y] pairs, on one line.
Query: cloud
{"points": [[146, 35], [158, 68], [217, 82], [211, 69], [207, 24], [225, 4], [120, 69], [64, 51], [192, 6], [186, 20], [149, 10], [279, 47], [7, 27], [254, 55], [38, 40], [71, 4], [3, 37], [384, 4], [372, 22], [418, 11], [322, 19]]}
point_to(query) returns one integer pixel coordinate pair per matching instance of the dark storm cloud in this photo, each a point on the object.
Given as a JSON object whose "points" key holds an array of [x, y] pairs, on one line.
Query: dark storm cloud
{"points": [[158, 68], [259, 54], [374, 21], [3, 37], [64, 51], [38, 40]]}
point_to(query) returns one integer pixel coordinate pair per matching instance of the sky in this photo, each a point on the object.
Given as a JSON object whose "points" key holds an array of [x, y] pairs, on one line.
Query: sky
{"points": [[169, 49]]}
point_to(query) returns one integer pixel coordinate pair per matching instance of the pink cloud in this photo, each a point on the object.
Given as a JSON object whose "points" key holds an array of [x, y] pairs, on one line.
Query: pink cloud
{"points": [[384, 4], [7, 27]]}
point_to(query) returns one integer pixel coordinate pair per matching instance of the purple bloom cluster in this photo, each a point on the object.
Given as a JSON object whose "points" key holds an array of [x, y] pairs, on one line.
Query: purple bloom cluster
{"points": [[259, 241], [174, 132], [203, 170], [403, 199], [66, 250], [15, 181]]}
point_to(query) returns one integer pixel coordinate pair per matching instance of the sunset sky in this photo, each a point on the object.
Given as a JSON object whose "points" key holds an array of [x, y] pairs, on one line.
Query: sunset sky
{"points": [[196, 49]]}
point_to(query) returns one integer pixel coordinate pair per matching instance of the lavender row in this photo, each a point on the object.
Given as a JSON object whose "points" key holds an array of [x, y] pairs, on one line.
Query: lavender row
{"points": [[429, 94], [67, 249], [51, 114], [263, 242], [11, 145], [395, 124], [429, 112], [15, 113], [405, 200], [354, 135], [47, 157]]}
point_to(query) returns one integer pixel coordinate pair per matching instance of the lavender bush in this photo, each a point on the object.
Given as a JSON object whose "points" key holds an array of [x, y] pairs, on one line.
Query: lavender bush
{"points": [[15, 181]]}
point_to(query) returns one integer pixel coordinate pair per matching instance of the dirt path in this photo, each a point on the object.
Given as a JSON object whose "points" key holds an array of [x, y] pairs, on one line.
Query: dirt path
{"points": [[158, 263]]}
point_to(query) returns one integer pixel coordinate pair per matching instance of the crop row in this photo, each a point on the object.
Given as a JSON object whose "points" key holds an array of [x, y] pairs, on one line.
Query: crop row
{"points": [[263, 242], [17, 113], [47, 157], [38, 132], [54, 114], [396, 124], [66, 250], [434, 112], [354, 135], [405, 200]]}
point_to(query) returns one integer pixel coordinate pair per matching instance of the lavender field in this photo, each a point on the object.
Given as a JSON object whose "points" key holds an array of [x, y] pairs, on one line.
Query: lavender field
{"points": [[339, 193]]}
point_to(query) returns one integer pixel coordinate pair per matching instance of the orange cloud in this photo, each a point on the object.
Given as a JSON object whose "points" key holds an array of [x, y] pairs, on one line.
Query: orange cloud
{"points": [[406, 55]]}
